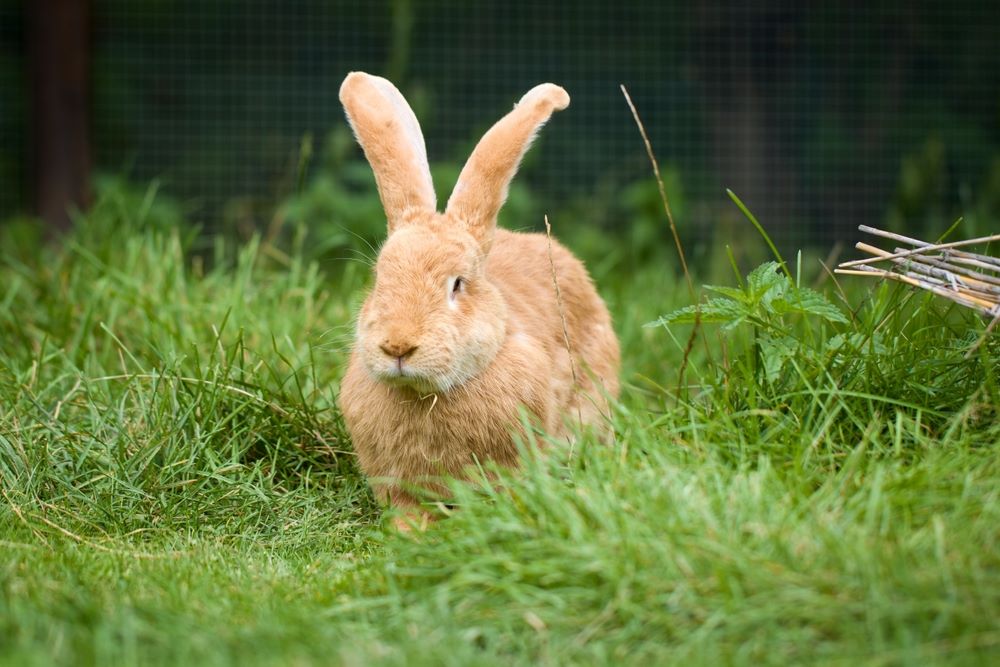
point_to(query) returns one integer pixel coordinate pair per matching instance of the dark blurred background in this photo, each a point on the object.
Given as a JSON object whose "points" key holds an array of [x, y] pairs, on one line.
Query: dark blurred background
{"points": [[820, 115]]}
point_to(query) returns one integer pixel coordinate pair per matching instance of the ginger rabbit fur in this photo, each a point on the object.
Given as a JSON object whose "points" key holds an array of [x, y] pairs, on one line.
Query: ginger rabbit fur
{"points": [[462, 330]]}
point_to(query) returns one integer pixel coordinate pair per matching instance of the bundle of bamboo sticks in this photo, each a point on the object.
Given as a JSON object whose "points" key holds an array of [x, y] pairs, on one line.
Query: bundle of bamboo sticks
{"points": [[966, 278]]}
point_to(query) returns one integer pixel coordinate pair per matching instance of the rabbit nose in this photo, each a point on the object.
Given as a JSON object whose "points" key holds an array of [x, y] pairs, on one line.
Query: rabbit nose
{"points": [[397, 349]]}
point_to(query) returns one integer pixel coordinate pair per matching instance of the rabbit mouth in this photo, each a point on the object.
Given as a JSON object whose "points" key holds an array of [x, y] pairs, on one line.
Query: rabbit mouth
{"points": [[408, 378]]}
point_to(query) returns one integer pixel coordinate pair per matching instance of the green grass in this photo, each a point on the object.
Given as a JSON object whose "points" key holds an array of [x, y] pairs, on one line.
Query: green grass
{"points": [[178, 487]]}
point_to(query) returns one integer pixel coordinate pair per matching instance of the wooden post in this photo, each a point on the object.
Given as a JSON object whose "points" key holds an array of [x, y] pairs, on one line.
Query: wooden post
{"points": [[58, 34]]}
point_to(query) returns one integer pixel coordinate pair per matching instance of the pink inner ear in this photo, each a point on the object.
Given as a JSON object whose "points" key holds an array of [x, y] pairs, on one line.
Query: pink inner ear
{"points": [[390, 135], [482, 186]]}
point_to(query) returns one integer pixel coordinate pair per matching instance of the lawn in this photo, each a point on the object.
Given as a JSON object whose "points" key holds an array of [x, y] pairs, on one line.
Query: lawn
{"points": [[801, 477]]}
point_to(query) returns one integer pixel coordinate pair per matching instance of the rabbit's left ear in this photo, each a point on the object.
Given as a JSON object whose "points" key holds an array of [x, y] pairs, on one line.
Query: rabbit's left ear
{"points": [[394, 145], [482, 186]]}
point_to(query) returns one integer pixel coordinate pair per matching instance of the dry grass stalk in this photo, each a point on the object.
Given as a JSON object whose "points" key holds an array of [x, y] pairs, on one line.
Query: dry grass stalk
{"points": [[936, 267], [663, 191], [562, 316], [677, 239]]}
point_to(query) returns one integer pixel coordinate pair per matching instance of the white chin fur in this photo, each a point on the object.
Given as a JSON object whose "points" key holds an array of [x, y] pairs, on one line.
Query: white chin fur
{"points": [[414, 382], [412, 377], [438, 382], [477, 351]]}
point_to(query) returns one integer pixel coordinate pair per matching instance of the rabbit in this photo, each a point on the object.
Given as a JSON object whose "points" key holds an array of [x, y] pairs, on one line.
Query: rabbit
{"points": [[463, 331]]}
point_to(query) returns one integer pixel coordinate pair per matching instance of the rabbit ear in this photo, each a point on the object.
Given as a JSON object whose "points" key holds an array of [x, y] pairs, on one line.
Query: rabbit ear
{"points": [[390, 136], [482, 186]]}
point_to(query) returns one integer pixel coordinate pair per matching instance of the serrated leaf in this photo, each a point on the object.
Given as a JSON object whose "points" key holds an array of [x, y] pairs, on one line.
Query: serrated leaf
{"points": [[768, 292], [775, 352], [714, 310], [765, 279], [808, 302], [734, 293]]}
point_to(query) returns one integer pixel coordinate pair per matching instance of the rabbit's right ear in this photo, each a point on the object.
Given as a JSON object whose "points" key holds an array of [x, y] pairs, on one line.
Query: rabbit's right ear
{"points": [[393, 143], [482, 185]]}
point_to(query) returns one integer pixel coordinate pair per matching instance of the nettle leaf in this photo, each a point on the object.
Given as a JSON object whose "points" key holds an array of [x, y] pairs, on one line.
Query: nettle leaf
{"points": [[719, 311], [807, 302], [769, 292], [734, 293], [767, 282], [775, 353]]}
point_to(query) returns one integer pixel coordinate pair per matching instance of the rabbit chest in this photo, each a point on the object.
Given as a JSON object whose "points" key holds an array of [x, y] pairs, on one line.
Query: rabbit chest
{"points": [[402, 434]]}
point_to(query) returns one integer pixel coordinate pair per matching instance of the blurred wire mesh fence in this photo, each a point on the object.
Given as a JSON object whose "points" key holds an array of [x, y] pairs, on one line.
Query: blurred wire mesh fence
{"points": [[821, 116]]}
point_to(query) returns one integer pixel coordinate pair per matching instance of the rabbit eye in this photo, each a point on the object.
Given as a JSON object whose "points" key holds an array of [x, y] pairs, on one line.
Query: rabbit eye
{"points": [[457, 285]]}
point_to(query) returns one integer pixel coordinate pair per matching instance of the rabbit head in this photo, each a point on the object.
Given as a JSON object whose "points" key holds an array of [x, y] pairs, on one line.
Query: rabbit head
{"points": [[433, 319]]}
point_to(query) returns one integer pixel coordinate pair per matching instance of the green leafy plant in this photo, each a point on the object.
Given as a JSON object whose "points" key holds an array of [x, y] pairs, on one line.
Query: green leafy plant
{"points": [[766, 301]]}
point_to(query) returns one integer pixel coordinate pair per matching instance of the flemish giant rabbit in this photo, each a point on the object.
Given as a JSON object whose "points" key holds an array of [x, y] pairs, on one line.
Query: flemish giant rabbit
{"points": [[463, 329]]}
